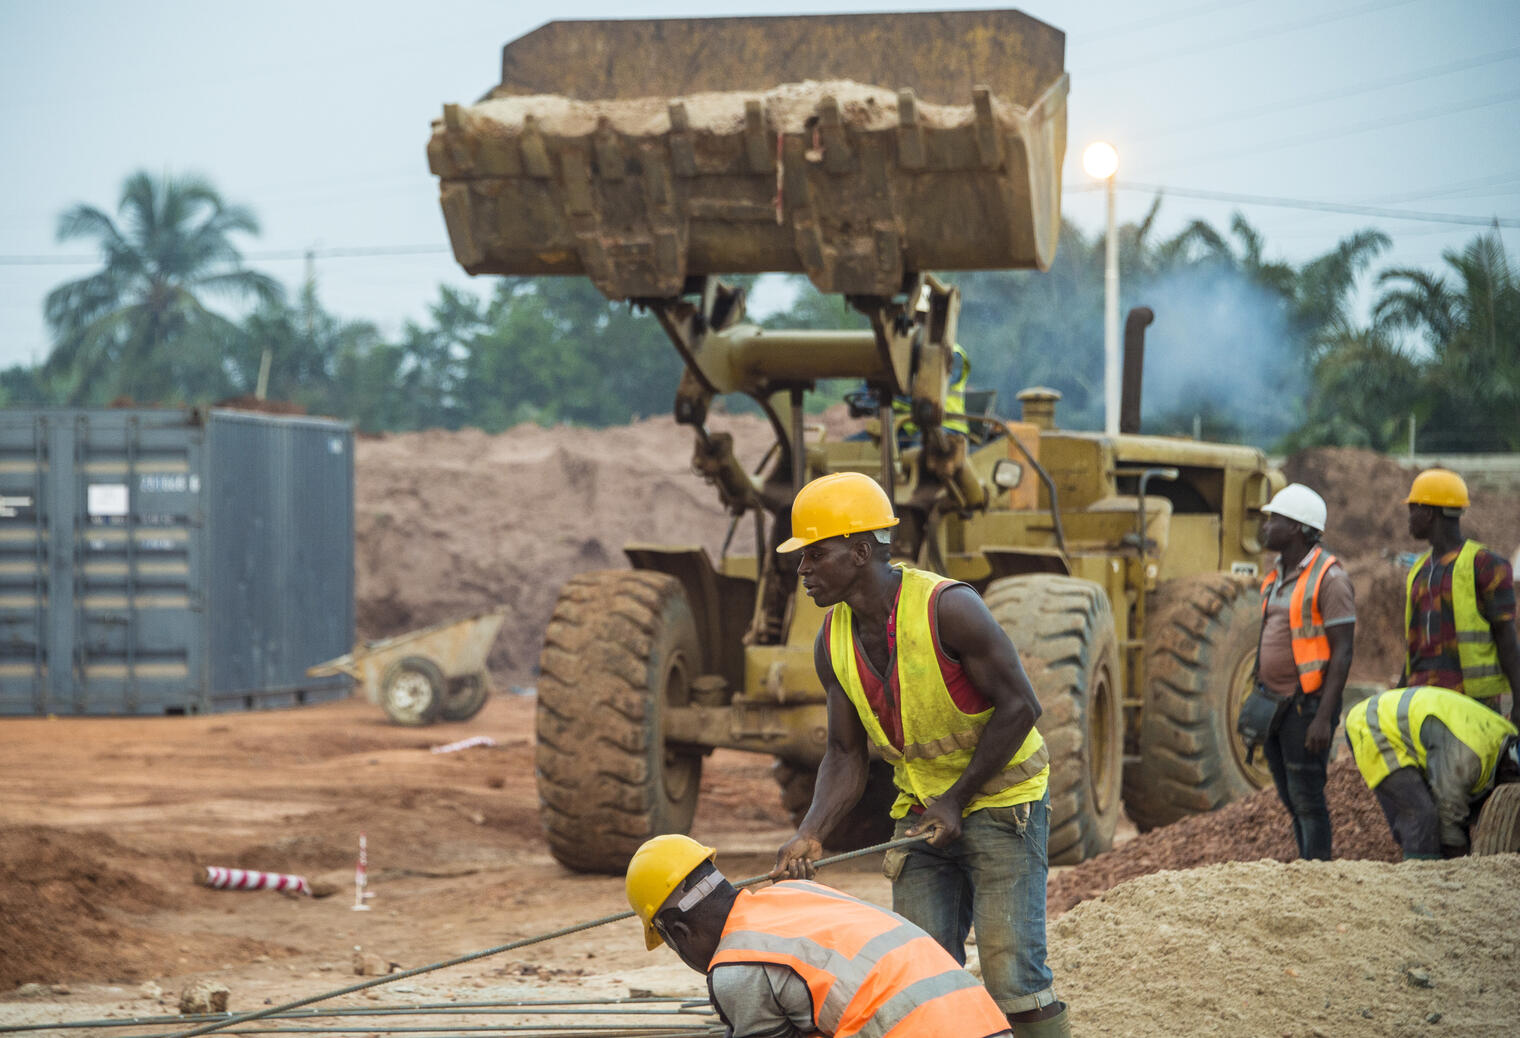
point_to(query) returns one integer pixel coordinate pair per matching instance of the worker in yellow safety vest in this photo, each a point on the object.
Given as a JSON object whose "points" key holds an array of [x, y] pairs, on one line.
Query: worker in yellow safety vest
{"points": [[800, 958], [1459, 606], [955, 398], [1431, 755], [915, 665]]}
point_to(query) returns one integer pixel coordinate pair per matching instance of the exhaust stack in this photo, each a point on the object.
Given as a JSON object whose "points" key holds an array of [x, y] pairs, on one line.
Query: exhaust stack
{"points": [[1134, 363]]}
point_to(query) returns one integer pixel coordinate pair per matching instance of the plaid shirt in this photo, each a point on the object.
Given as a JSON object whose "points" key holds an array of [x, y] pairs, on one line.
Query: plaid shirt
{"points": [[1432, 634]]}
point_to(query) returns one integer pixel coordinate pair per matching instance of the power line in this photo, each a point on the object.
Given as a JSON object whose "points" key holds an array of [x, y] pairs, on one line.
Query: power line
{"points": [[1142, 24], [355, 252], [1320, 98], [1109, 67], [1460, 188], [342, 252], [1346, 131], [1310, 204]]}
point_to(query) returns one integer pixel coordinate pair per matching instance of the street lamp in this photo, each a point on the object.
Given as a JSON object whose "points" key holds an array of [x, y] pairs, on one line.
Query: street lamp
{"points": [[1101, 162]]}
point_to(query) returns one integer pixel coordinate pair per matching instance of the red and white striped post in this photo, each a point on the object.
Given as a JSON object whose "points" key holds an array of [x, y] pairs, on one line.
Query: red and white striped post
{"points": [[219, 878], [361, 877]]}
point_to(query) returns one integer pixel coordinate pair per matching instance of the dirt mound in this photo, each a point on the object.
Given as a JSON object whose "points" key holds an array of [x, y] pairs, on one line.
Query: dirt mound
{"points": [[65, 905], [1364, 496], [1247, 830], [452, 523], [253, 403], [1311, 948]]}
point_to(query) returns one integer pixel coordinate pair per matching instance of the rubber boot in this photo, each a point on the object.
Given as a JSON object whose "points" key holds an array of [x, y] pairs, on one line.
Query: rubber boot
{"points": [[1058, 1026]]}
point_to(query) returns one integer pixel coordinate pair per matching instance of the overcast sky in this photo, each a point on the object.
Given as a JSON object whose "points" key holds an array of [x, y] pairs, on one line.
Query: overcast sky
{"points": [[316, 114]]}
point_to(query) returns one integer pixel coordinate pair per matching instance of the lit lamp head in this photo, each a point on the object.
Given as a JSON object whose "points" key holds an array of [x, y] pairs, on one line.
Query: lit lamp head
{"points": [[1100, 160]]}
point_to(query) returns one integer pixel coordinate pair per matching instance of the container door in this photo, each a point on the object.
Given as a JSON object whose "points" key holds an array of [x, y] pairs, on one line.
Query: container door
{"points": [[139, 620], [280, 551], [23, 565], [100, 547]]}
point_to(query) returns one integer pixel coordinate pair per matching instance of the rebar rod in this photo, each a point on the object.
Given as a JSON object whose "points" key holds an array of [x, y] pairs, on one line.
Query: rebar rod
{"points": [[512, 946]]}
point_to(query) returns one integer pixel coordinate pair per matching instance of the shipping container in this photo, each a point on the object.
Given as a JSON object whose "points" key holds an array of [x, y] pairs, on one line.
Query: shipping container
{"points": [[172, 561]]}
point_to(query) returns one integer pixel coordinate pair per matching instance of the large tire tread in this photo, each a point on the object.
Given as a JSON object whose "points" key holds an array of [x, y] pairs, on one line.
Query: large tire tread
{"points": [[1498, 828], [1064, 630], [600, 749], [1186, 762]]}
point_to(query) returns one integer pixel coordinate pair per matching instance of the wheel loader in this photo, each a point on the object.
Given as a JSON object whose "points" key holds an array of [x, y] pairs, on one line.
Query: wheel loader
{"points": [[872, 153]]}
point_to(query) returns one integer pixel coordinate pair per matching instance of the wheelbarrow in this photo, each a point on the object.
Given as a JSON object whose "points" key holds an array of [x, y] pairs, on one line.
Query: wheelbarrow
{"points": [[420, 676]]}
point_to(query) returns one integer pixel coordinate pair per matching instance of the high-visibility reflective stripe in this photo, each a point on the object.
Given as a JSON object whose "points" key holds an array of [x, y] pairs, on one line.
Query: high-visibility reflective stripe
{"points": [[850, 971], [1477, 653], [1023, 771], [1403, 721], [939, 737], [1010, 776], [1398, 715], [964, 739], [911, 997], [1311, 645], [1308, 590], [856, 960], [1390, 759]]}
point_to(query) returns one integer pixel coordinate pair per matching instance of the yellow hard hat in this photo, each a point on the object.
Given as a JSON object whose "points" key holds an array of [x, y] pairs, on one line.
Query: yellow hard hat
{"points": [[1441, 488], [840, 503], [657, 869]]}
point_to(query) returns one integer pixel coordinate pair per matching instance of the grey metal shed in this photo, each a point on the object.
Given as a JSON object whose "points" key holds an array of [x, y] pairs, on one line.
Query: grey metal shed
{"points": [[172, 561]]}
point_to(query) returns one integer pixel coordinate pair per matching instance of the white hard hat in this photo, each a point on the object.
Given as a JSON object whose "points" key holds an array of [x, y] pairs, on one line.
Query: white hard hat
{"points": [[1297, 502]]}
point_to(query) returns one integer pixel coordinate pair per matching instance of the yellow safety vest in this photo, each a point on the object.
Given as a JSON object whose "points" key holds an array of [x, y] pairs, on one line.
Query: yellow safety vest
{"points": [[1385, 731], [955, 398], [938, 739], [1476, 652]]}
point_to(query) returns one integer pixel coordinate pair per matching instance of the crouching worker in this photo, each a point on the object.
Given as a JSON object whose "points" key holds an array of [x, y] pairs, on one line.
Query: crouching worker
{"points": [[1430, 755], [799, 958]]}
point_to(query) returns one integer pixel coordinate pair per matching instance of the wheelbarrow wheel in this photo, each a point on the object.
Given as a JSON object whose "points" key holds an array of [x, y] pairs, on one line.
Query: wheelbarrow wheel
{"points": [[412, 691], [465, 697]]}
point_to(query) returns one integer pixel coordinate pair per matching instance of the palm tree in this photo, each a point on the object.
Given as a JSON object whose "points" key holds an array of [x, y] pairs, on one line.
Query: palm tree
{"points": [[1325, 284], [1366, 388], [138, 326], [1470, 328]]}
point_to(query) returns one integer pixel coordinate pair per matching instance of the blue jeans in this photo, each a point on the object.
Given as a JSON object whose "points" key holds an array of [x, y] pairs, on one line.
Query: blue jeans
{"points": [[1300, 777], [993, 876]]}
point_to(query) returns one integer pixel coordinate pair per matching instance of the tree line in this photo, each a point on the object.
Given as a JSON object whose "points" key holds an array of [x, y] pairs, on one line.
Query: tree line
{"points": [[1244, 347]]}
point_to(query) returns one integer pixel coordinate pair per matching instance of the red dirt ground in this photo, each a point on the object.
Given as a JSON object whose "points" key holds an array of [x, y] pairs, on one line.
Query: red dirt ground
{"points": [[104, 820]]}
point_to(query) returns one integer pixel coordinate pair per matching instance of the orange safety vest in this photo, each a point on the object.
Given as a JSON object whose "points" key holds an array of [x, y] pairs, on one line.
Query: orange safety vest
{"points": [[1311, 646], [865, 967]]}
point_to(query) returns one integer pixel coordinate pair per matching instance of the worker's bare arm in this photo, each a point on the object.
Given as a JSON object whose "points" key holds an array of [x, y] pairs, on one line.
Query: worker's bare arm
{"points": [[1503, 632], [841, 775], [968, 632]]}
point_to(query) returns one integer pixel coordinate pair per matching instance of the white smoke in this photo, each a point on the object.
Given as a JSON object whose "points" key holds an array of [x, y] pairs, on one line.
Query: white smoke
{"points": [[1222, 352]]}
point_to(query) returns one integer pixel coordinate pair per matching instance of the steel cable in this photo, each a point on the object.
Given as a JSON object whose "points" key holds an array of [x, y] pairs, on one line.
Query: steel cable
{"points": [[566, 931]]}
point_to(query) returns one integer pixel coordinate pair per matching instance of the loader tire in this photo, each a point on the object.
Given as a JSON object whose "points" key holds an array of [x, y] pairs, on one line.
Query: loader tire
{"points": [[620, 646], [466, 696], [1200, 652], [869, 821], [412, 691], [1498, 828], [1064, 631]]}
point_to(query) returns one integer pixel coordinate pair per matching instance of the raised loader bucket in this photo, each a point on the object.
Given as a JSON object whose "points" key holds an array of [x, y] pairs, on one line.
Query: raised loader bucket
{"points": [[853, 148]]}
